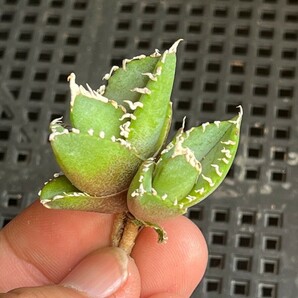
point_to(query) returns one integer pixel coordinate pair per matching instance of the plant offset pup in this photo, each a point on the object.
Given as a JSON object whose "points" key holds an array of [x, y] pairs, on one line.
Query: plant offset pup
{"points": [[111, 156]]}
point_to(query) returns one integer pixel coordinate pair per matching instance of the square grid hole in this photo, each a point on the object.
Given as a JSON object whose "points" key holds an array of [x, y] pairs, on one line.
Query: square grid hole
{"points": [[269, 266], [272, 243], [240, 288], [220, 215], [255, 151], [195, 213], [242, 263], [267, 290], [212, 285], [216, 261], [273, 220], [218, 238], [244, 240]]}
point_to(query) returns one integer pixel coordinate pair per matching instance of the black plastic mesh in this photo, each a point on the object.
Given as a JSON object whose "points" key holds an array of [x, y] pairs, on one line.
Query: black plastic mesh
{"points": [[235, 52]]}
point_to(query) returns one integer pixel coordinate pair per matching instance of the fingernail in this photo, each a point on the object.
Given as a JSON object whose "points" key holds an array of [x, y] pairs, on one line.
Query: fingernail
{"points": [[100, 274]]}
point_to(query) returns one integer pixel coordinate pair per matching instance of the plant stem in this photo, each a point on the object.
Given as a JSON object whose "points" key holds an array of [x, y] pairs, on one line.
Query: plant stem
{"points": [[125, 232]]}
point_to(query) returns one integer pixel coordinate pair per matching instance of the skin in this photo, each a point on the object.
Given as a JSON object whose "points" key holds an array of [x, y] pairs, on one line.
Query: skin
{"points": [[40, 246]]}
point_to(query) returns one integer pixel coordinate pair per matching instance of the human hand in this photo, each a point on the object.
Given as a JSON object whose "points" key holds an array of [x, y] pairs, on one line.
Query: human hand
{"points": [[53, 253]]}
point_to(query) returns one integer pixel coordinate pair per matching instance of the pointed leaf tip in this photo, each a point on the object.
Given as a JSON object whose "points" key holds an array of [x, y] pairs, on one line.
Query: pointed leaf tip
{"points": [[173, 48]]}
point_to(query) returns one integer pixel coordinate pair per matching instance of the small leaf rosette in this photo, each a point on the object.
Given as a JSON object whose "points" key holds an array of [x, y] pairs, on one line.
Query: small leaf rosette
{"points": [[113, 130], [188, 170]]}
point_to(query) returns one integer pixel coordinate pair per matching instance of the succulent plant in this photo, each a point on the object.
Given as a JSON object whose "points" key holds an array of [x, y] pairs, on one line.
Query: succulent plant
{"points": [[111, 159]]}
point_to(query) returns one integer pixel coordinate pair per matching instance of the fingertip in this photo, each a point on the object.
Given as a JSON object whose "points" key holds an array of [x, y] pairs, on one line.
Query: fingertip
{"points": [[174, 267]]}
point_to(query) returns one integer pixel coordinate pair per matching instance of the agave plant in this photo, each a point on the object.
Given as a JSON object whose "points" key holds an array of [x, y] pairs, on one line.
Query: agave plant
{"points": [[113, 157]]}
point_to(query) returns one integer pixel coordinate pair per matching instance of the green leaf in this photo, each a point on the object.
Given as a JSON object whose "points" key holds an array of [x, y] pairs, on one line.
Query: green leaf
{"points": [[219, 142], [149, 120], [112, 204], [170, 177], [122, 81], [143, 200], [96, 166], [96, 117], [56, 186]]}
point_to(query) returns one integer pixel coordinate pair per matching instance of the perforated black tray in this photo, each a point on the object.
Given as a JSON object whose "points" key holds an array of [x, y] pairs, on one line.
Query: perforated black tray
{"points": [[235, 52]]}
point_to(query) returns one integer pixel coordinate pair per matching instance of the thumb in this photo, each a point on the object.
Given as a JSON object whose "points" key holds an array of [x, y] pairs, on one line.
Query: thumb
{"points": [[100, 274]]}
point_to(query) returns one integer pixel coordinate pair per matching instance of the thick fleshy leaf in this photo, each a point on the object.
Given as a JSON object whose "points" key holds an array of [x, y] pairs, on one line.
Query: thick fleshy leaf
{"points": [[59, 193], [123, 80], [155, 195], [83, 202], [148, 122], [143, 200], [165, 130], [56, 186], [96, 166], [219, 142], [170, 177], [96, 117]]}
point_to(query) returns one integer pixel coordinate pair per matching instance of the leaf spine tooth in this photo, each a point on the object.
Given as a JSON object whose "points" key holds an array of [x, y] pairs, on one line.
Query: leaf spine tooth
{"points": [[204, 125], [158, 71], [181, 205], [155, 54], [175, 202], [91, 131], [101, 90], [124, 129], [57, 197], [226, 152], [57, 133], [128, 115], [217, 170], [56, 121], [239, 119], [102, 134], [191, 198], [150, 75], [141, 189], [108, 75], [200, 190], [126, 61], [74, 88], [56, 175], [134, 105], [173, 48], [39, 193], [154, 192], [163, 197], [217, 123], [75, 130], [134, 193], [123, 143], [141, 178], [164, 56], [224, 160], [113, 139], [144, 90], [240, 115], [209, 180], [229, 142]]}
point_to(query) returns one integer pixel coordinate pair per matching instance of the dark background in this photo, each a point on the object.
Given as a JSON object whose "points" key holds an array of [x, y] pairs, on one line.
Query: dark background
{"points": [[235, 52]]}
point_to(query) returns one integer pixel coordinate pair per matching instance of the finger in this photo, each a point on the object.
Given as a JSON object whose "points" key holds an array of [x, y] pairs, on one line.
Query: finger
{"points": [[175, 267], [40, 245], [167, 295], [106, 272]]}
